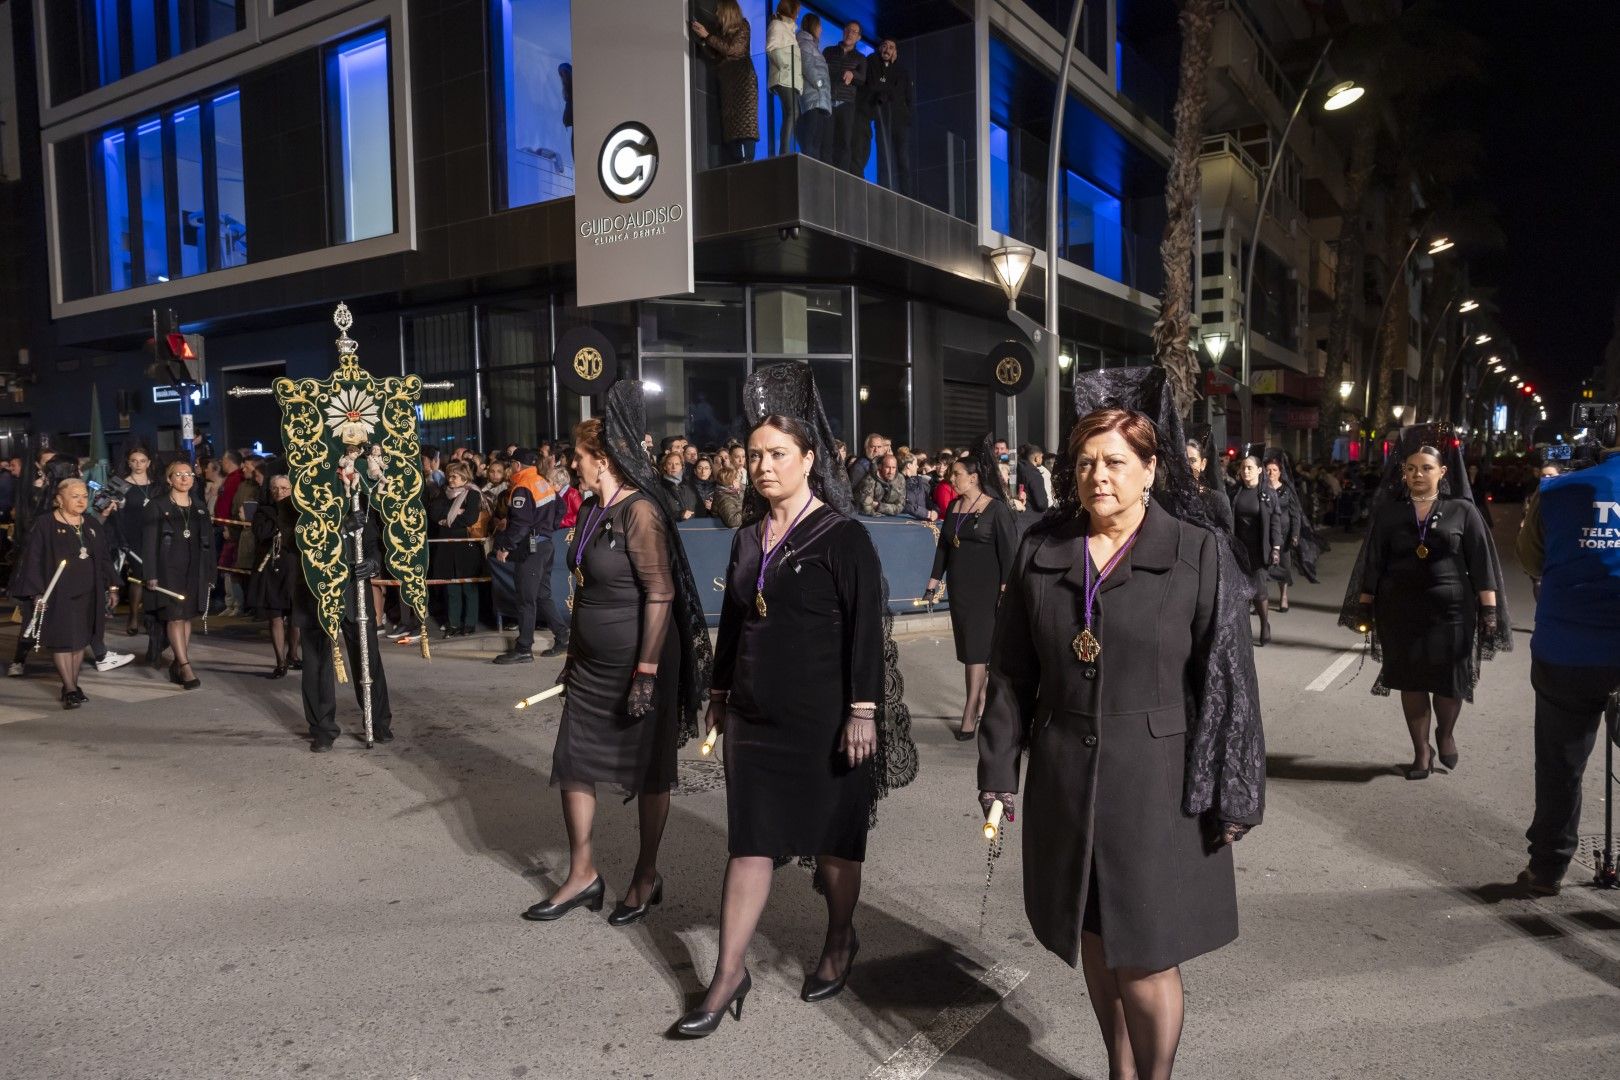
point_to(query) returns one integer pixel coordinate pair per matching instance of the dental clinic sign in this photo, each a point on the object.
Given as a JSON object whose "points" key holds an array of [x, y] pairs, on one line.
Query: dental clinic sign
{"points": [[632, 220]]}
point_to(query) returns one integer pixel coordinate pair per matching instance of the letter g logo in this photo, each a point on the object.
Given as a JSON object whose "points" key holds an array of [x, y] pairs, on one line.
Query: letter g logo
{"points": [[628, 162]]}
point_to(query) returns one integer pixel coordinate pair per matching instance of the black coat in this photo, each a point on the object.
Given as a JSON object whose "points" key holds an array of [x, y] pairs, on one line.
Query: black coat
{"points": [[1121, 750], [1034, 488], [459, 559]]}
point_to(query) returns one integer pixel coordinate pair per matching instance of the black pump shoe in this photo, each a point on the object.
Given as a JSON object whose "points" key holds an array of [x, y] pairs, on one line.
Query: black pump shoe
{"points": [[1448, 760], [967, 736], [697, 1023], [70, 699], [1415, 773], [624, 915], [822, 989], [590, 896]]}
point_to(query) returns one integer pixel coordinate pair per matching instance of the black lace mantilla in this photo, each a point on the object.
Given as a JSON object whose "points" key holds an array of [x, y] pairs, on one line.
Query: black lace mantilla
{"points": [[1392, 485], [623, 425], [1226, 751], [789, 389]]}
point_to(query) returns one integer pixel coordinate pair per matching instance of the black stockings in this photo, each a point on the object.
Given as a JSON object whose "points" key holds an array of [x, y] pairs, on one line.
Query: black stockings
{"points": [[179, 631], [978, 681], [1415, 704], [1139, 1011], [742, 901], [284, 639], [67, 667]]}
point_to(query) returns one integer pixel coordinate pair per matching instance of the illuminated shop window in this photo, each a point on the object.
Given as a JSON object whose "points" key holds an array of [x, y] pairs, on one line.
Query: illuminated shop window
{"points": [[362, 135]]}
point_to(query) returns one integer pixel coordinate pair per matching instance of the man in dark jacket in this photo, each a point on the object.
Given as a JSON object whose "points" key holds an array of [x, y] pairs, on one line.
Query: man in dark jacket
{"points": [[887, 100], [883, 491], [1030, 478], [320, 674], [847, 67], [533, 511]]}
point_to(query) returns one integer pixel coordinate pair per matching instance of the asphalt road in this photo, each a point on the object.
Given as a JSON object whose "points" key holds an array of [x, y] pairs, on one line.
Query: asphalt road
{"points": [[185, 891]]}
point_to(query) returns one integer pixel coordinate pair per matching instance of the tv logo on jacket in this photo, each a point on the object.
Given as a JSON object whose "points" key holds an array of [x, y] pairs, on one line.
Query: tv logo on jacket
{"points": [[1603, 536]]}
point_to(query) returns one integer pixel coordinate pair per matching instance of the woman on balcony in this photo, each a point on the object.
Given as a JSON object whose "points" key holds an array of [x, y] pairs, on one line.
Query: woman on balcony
{"points": [[728, 46]]}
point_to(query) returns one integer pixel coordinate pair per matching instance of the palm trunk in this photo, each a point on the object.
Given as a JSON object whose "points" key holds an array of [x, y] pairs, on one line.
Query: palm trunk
{"points": [[1172, 331], [1346, 279]]}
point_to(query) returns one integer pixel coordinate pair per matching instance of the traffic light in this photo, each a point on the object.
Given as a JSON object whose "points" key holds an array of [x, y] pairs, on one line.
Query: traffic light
{"points": [[177, 358]]}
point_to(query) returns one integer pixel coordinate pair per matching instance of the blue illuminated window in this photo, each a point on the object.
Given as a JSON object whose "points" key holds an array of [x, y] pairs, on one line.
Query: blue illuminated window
{"points": [[171, 191], [229, 184], [154, 213], [534, 100], [126, 36], [192, 212], [1000, 180], [115, 199], [1092, 228], [362, 137]]}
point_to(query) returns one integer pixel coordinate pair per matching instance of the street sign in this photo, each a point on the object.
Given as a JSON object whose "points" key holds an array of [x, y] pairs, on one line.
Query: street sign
{"points": [[169, 395]]}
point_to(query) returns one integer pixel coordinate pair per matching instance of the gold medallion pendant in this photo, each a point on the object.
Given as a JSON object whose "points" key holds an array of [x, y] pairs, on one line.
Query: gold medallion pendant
{"points": [[1423, 551], [759, 604], [1086, 646], [956, 541], [579, 575], [569, 539]]}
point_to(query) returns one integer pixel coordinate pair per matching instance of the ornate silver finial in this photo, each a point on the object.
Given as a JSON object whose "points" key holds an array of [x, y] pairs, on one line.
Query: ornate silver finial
{"points": [[343, 319]]}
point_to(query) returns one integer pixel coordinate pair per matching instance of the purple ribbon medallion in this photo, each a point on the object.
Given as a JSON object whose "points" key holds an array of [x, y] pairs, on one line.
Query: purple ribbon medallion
{"points": [[1086, 645], [767, 553]]}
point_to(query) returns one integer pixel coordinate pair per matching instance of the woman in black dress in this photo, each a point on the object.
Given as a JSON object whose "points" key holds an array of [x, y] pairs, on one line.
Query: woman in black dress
{"points": [[1257, 528], [1122, 668], [74, 616], [803, 670], [452, 516], [270, 592], [1428, 585], [638, 657], [131, 528], [178, 555], [975, 552]]}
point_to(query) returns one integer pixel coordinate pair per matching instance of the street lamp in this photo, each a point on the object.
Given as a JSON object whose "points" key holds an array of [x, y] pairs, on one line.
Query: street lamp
{"points": [[1397, 282], [1439, 244], [1466, 306], [1011, 264], [1398, 410], [1339, 96], [1065, 362], [1345, 389], [1215, 342], [1342, 95], [1483, 339]]}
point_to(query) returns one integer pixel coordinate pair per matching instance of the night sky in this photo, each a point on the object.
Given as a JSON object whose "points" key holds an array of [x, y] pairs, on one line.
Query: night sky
{"points": [[1550, 122]]}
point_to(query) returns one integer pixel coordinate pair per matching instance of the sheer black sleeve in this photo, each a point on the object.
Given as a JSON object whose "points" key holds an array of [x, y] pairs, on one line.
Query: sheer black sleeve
{"points": [[732, 614], [647, 544], [858, 577], [1374, 569]]}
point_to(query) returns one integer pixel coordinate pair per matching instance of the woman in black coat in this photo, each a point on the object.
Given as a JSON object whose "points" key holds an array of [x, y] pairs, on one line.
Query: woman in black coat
{"points": [[452, 515], [69, 538], [270, 592], [177, 553], [1121, 651], [975, 554], [1293, 519], [1258, 529], [1217, 502]]}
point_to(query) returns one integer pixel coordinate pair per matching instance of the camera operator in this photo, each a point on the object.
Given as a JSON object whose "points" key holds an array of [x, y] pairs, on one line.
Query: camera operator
{"points": [[1571, 541]]}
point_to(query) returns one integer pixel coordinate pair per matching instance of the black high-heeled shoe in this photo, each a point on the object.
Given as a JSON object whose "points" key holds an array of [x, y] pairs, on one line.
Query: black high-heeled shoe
{"points": [[816, 989], [971, 733], [698, 1023], [624, 915], [279, 671], [1449, 760], [186, 684], [70, 699], [1415, 773], [590, 896]]}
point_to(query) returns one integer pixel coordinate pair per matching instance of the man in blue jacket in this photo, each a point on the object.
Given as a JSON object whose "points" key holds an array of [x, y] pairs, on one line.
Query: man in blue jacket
{"points": [[532, 516], [1571, 541]]}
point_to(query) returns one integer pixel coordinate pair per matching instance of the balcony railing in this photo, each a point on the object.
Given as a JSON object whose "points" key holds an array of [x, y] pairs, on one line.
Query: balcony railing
{"points": [[1280, 206], [1244, 42]]}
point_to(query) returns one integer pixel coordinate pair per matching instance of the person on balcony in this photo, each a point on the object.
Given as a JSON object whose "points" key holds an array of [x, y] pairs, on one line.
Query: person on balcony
{"points": [[848, 69]]}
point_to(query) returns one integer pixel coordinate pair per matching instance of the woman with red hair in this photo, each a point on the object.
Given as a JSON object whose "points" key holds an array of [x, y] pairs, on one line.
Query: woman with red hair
{"points": [[1122, 666]]}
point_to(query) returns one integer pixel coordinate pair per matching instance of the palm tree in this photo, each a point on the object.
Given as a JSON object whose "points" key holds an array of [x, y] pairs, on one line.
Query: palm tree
{"points": [[1173, 328]]}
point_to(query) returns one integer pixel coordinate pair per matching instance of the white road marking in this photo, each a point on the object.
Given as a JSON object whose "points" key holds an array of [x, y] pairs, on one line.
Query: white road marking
{"points": [[1334, 670], [930, 1044]]}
